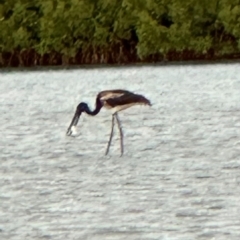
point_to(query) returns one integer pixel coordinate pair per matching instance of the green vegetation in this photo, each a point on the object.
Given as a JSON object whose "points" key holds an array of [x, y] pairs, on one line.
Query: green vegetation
{"points": [[50, 32]]}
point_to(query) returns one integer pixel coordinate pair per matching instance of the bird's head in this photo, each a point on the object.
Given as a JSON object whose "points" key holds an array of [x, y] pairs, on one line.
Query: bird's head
{"points": [[82, 107]]}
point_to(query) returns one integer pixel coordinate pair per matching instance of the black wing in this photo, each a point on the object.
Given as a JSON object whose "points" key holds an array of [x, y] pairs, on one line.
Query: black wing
{"points": [[127, 98]]}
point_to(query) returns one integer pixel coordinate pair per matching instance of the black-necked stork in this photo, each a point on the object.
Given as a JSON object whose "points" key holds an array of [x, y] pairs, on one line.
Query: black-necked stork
{"points": [[116, 100]]}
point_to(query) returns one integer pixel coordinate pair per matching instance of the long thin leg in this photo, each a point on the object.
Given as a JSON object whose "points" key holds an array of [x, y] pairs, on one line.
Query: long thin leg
{"points": [[121, 133], [111, 134]]}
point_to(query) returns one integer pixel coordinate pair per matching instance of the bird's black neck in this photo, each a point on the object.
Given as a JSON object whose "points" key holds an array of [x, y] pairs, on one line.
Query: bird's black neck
{"points": [[96, 110]]}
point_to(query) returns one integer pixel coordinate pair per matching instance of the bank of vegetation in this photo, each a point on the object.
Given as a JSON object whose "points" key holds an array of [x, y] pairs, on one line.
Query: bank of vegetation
{"points": [[56, 32]]}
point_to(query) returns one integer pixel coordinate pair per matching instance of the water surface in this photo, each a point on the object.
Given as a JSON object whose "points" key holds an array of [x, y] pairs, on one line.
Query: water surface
{"points": [[179, 177]]}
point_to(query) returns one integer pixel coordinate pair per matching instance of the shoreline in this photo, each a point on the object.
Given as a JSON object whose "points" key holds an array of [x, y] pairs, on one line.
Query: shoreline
{"points": [[121, 65], [29, 59]]}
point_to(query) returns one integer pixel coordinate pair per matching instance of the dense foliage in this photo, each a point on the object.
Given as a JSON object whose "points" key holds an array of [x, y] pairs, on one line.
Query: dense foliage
{"points": [[37, 32]]}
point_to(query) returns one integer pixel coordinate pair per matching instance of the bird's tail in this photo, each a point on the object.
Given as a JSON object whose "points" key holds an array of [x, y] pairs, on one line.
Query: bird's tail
{"points": [[144, 100]]}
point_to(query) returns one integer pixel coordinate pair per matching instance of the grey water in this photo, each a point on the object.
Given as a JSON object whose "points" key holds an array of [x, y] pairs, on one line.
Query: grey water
{"points": [[179, 178]]}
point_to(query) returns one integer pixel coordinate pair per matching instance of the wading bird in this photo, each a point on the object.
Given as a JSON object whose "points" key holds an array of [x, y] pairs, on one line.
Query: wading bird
{"points": [[116, 100]]}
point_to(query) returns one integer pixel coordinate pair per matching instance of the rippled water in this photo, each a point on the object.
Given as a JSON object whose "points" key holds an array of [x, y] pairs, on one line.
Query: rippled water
{"points": [[179, 177]]}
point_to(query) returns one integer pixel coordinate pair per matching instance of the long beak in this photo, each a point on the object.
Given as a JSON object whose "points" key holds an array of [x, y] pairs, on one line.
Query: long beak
{"points": [[74, 122]]}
